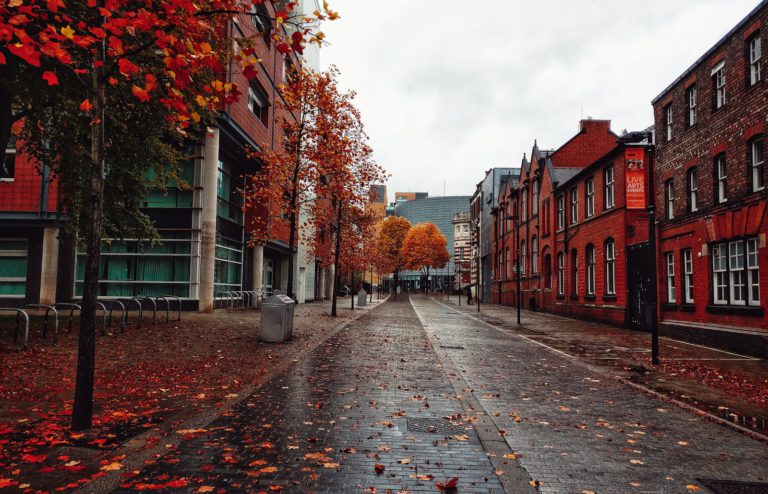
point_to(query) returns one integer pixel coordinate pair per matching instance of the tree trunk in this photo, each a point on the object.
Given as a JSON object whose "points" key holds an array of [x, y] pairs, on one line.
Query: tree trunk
{"points": [[397, 281], [82, 409], [291, 241], [353, 290], [336, 256]]}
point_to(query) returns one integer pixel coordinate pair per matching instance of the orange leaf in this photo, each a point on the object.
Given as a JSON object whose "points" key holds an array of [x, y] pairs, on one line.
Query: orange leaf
{"points": [[86, 105]]}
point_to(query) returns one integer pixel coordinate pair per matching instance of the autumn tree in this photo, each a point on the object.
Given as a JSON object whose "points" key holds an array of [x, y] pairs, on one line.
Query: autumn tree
{"points": [[101, 90], [424, 248], [285, 184], [390, 235]]}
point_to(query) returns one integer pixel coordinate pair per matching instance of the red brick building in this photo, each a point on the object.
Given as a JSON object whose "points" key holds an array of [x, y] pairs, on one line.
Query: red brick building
{"points": [[711, 196], [578, 233]]}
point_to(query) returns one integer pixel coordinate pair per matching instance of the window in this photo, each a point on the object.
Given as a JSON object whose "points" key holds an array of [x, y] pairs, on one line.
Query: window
{"points": [[669, 199], [718, 82], [522, 257], [736, 273], [13, 267], [693, 186], [262, 21], [721, 179], [690, 100], [668, 122], [608, 175], [590, 196], [670, 260], [590, 269], [610, 267], [560, 212], [534, 255], [755, 53], [535, 197], [756, 164], [508, 265], [500, 270], [8, 164], [258, 102], [687, 276], [524, 206], [574, 206], [560, 274], [574, 273]]}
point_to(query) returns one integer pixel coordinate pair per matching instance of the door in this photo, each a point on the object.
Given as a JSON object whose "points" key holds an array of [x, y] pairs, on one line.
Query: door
{"points": [[638, 286]]}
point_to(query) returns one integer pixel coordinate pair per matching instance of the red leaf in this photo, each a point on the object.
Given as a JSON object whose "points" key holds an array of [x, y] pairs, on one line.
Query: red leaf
{"points": [[86, 105], [127, 67], [141, 94], [34, 458], [379, 468], [448, 486], [27, 53], [50, 78]]}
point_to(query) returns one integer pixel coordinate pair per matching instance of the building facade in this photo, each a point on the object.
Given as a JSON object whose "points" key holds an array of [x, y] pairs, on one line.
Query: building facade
{"points": [[711, 196], [461, 250]]}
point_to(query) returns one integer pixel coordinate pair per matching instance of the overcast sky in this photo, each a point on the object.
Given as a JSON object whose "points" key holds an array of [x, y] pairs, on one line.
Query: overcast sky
{"points": [[449, 89]]}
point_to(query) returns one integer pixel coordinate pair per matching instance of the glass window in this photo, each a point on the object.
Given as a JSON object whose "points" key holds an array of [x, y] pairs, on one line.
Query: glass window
{"points": [[258, 102], [524, 206], [560, 212], [608, 175], [718, 81], [668, 122], [670, 260], [560, 274], [753, 273], [13, 267], [509, 265], [610, 267], [522, 257], [535, 197], [736, 272], [687, 276], [590, 188], [574, 206], [721, 179], [230, 202], [691, 97], [534, 255], [693, 187], [669, 193], [590, 270], [756, 162], [755, 54]]}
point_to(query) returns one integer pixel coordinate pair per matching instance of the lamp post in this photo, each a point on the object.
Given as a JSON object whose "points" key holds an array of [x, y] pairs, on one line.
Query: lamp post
{"points": [[479, 285], [645, 138], [516, 220]]}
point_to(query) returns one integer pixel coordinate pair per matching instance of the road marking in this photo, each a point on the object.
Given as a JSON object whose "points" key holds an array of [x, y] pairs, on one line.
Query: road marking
{"points": [[745, 357]]}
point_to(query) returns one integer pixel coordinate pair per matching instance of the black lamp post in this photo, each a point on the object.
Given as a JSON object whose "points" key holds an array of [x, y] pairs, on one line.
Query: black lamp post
{"points": [[516, 219], [645, 138]]}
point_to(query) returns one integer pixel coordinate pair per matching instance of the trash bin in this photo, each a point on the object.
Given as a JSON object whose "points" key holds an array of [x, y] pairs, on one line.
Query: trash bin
{"points": [[362, 298], [277, 318]]}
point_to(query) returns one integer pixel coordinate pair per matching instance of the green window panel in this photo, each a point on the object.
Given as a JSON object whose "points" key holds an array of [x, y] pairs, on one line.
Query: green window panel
{"points": [[13, 267]]}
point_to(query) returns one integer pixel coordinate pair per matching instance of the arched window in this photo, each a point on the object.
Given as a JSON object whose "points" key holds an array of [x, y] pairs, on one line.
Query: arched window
{"points": [[547, 270], [535, 197], [524, 205], [590, 261], [560, 273], [534, 255], [610, 267], [509, 266], [522, 257]]}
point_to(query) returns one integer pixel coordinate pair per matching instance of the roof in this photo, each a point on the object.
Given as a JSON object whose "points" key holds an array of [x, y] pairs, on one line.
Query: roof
{"points": [[712, 50], [562, 175]]}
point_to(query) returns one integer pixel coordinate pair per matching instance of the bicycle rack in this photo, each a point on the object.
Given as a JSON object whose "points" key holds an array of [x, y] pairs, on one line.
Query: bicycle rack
{"points": [[239, 300], [19, 312], [72, 308], [168, 306], [103, 319], [48, 310], [154, 308], [123, 313], [141, 310], [216, 298]]}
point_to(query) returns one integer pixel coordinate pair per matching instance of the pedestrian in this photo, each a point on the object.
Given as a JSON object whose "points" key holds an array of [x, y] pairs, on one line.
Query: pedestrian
{"points": [[469, 294]]}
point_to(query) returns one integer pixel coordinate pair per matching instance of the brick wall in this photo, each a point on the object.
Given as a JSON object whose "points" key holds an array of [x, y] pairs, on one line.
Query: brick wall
{"points": [[22, 194]]}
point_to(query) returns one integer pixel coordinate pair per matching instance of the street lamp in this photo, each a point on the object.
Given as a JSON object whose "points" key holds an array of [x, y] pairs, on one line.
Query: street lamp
{"points": [[477, 244], [516, 219], [645, 138]]}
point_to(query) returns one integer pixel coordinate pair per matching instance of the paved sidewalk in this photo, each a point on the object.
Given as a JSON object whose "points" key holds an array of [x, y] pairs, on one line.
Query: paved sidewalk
{"points": [[579, 429], [732, 386], [375, 394]]}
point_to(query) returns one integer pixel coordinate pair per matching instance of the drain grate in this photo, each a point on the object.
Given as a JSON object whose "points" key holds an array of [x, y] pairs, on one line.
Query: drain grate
{"points": [[449, 347], [734, 487], [440, 426]]}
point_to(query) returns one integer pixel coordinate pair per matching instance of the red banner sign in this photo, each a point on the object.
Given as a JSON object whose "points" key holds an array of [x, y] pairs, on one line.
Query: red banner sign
{"points": [[635, 160]]}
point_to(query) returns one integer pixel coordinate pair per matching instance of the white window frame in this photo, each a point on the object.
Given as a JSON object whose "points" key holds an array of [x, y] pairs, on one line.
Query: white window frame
{"points": [[755, 54], [561, 211], [692, 96], [687, 276], [718, 74], [669, 189], [721, 176], [507, 265], [668, 122], [736, 273], [590, 261], [560, 273], [756, 164], [522, 257], [610, 267], [534, 197], [590, 194], [255, 100], [609, 187], [693, 188], [574, 206], [524, 206], [753, 272], [534, 254], [670, 263]]}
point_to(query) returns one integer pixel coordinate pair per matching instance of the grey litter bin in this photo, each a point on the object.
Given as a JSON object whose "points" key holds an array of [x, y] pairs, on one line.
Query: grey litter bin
{"points": [[362, 298], [277, 318]]}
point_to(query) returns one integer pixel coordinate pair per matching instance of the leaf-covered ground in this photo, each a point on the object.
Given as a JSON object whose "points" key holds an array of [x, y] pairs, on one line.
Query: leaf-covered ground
{"points": [[153, 378]]}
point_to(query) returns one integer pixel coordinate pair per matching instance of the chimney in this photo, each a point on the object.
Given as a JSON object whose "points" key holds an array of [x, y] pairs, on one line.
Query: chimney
{"points": [[590, 125]]}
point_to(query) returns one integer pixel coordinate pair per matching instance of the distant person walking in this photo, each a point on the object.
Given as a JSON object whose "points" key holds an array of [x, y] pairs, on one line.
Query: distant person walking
{"points": [[469, 294]]}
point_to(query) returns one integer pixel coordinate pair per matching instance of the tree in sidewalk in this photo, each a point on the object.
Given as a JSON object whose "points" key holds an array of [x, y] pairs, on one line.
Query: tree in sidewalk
{"points": [[101, 89], [425, 248], [390, 235], [284, 187]]}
